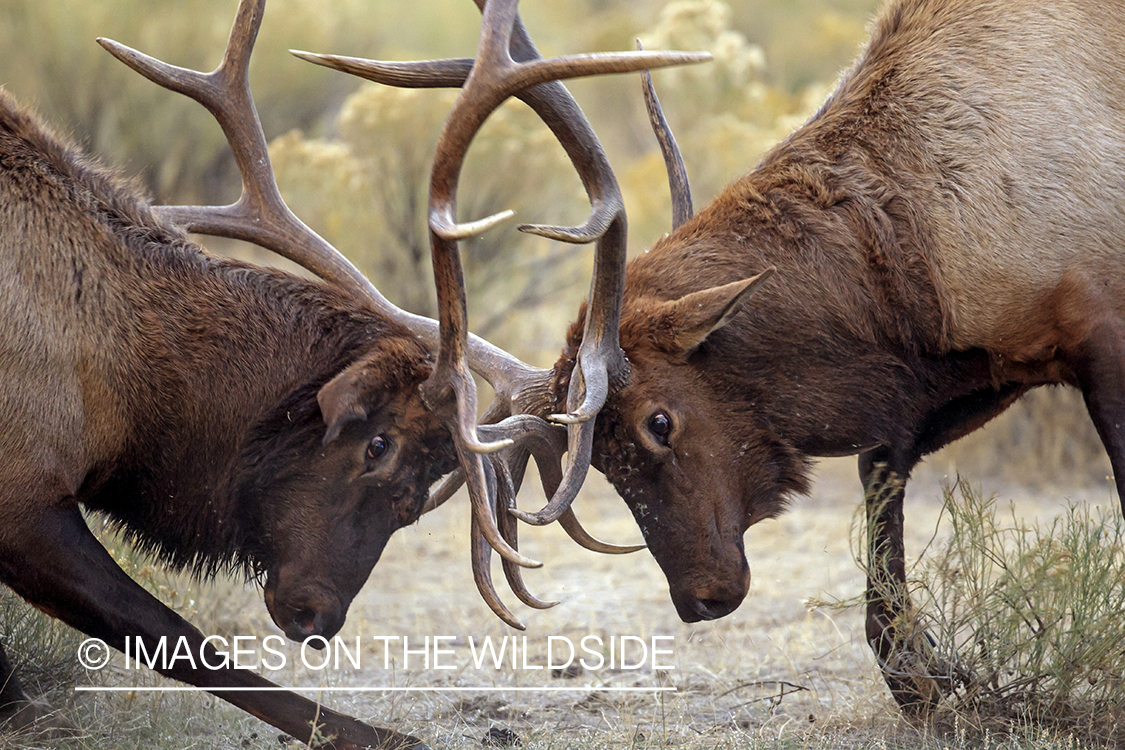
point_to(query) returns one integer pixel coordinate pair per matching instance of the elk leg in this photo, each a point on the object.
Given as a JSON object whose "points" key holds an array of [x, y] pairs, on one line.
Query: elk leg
{"points": [[1099, 366], [18, 712], [54, 562], [903, 650], [11, 691]]}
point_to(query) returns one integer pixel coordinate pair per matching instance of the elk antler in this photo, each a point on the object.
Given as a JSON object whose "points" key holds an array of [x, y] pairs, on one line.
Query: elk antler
{"points": [[507, 59], [678, 184], [261, 216], [495, 76]]}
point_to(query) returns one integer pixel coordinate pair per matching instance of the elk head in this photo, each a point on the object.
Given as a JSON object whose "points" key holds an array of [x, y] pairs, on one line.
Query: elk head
{"points": [[341, 468], [695, 468]]}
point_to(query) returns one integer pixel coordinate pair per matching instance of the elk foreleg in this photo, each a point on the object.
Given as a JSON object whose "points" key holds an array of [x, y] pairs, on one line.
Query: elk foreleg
{"points": [[52, 560], [1099, 366], [903, 649]]}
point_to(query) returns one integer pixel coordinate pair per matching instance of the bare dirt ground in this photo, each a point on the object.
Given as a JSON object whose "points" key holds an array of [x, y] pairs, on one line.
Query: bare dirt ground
{"points": [[778, 670]]}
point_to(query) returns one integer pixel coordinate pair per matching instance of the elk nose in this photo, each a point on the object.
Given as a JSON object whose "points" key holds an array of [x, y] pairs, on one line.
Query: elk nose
{"points": [[713, 609], [303, 620], [713, 600], [311, 609]]}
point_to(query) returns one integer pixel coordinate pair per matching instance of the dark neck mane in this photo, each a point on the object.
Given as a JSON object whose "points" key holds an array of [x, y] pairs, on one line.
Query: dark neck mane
{"points": [[182, 356]]}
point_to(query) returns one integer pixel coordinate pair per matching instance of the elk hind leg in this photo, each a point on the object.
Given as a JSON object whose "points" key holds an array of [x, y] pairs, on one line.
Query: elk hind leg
{"points": [[1099, 366]]}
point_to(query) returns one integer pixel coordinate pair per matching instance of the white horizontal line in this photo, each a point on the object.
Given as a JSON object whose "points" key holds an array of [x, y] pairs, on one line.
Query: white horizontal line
{"points": [[275, 688]]}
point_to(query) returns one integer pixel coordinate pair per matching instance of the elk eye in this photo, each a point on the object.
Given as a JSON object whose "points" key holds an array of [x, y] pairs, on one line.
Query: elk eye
{"points": [[660, 425], [377, 447]]}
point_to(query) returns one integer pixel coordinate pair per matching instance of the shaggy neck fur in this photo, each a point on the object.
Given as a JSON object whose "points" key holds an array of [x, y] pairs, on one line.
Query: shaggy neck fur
{"points": [[173, 360]]}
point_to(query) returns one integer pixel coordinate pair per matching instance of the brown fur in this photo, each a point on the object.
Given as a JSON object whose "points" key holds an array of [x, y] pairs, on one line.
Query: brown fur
{"points": [[947, 231], [177, 393]]}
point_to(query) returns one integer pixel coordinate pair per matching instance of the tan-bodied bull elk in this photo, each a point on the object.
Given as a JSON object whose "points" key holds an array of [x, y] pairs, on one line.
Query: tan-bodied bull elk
{"points": [[226, 415], [944, 234]]}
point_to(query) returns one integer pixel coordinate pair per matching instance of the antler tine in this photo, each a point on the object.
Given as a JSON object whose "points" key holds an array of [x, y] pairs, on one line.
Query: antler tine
{"points": [[506, 498], [481, 553], [423, 74], [260, 215], [477, 471], [444, 491], [678, 184]]}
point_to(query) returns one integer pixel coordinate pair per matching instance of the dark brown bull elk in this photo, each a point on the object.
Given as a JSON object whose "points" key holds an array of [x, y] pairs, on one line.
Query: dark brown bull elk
{"points": [[178, 394], [947, 231], [229, 416], [207, 406]]}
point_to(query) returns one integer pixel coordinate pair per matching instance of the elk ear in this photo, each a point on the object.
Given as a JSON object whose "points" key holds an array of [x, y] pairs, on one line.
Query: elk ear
{"points": [[347, 397], [695, 317]]}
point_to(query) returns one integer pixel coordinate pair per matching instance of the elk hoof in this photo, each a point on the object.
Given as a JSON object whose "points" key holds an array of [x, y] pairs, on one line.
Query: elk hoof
{"points": [[35, 717], [919, 677]]}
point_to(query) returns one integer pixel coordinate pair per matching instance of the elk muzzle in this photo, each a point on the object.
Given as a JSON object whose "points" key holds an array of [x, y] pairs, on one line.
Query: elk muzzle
{"points": [[712, 601], [712, 590], [303, 606]]}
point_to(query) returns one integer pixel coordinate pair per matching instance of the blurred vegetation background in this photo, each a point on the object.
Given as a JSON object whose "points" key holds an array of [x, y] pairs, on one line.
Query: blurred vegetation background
{"points": [[353, 161], [353, 158]]}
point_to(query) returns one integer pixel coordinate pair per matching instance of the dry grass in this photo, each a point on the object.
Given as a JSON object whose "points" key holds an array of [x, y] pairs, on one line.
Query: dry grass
{"points": [[1033, 613], [776, 674]]}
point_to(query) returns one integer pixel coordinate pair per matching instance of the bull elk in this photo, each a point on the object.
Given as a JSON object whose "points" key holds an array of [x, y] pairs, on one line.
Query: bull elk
{"points": [[228, 416], [943, 235], [182, 396]]}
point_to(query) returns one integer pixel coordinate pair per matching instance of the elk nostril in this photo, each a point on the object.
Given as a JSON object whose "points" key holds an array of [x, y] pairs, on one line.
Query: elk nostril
{"points": [[304, 621], [713, 609]]}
